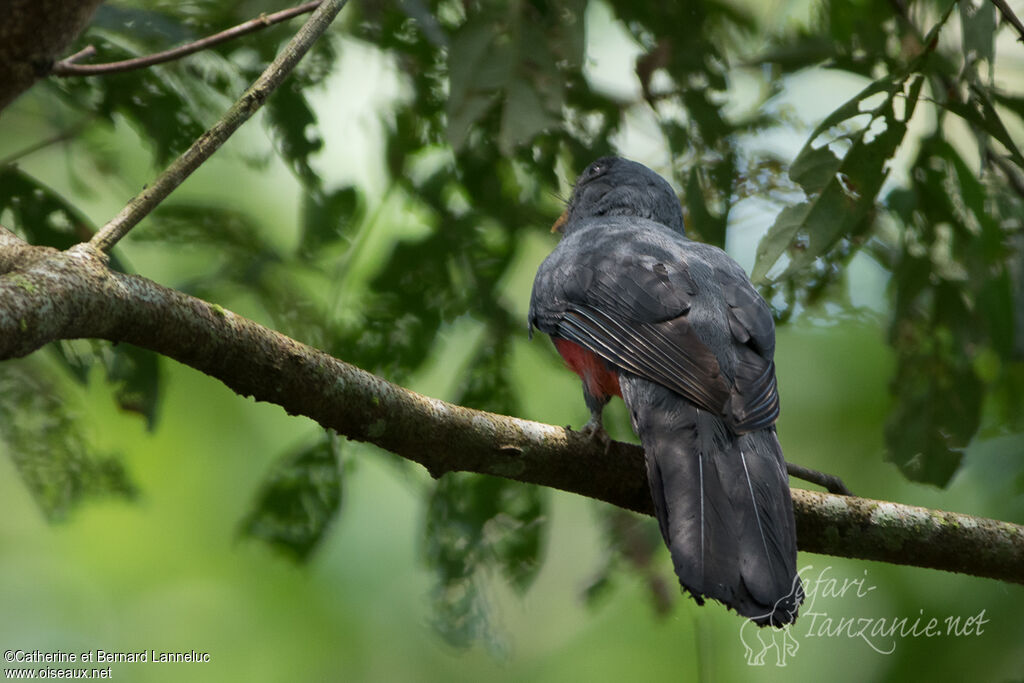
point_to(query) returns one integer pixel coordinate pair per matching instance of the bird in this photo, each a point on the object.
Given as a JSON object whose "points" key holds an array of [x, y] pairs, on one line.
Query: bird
{"points": [[676, 329]]}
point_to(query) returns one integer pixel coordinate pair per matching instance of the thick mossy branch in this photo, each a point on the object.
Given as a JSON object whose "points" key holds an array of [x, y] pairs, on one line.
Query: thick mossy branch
{"points": [[868, 529], [47, 295]]}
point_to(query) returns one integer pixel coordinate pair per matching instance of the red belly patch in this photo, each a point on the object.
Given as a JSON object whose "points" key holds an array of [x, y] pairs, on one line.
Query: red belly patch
{"points": [[600, 380]]}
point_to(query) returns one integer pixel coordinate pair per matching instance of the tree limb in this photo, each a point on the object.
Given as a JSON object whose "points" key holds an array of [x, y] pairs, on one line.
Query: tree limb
{"points": [[1011, 18], [69, 66], [210, 141], [47, 295], [33, 33]]}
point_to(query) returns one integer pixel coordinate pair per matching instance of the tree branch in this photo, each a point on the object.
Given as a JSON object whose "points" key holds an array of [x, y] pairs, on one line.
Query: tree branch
{"points": [[49, 295], [210, 141], [69, 66], [17, 253], [1011, 18], [33, 33]]}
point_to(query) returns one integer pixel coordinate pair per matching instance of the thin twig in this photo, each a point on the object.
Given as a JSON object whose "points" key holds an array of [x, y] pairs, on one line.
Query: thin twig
{"points": [[84, 53], [69, 67], [829, 482], [42, 144], [210, 141], [1011, 18]]}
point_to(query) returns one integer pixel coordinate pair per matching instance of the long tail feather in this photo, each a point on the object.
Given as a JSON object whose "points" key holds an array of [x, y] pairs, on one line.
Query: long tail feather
{"points": [[722, 502]]}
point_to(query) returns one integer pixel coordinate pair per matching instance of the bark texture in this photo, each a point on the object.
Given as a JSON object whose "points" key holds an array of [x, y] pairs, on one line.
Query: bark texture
{"points": [[33, 35]]}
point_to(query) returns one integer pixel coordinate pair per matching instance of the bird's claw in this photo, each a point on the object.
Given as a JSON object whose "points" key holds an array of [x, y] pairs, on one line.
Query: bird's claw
{"points": [[594, 431]]}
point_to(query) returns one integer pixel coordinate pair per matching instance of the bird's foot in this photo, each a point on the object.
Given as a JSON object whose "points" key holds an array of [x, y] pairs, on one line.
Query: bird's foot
{"points": [[594, 431]]}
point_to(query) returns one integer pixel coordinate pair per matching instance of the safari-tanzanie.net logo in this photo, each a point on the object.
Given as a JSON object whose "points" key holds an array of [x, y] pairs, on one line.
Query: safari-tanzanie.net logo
{"points": [[822, 589]]}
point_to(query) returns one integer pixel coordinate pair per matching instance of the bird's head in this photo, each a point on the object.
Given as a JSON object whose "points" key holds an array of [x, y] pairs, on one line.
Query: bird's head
{"points": [[613, 186]]}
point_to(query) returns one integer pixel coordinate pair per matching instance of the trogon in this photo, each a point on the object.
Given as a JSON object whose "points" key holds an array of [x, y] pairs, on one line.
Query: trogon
{"points": [[676, 329]]}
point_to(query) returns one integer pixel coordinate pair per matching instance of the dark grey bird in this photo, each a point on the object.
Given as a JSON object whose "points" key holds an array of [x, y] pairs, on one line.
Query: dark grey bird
{"points": [[676, 329]]}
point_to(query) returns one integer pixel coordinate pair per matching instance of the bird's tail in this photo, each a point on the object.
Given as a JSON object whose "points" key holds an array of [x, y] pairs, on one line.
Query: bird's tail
{"points": [[723, 503]]}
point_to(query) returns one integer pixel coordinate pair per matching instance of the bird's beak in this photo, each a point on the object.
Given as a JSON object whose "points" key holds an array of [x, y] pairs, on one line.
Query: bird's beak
{"points": [[557, 227]]}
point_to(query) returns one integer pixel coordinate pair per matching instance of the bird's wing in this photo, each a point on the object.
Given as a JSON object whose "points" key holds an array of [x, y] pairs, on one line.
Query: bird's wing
{"points": [[627, 293], [754, 403]]}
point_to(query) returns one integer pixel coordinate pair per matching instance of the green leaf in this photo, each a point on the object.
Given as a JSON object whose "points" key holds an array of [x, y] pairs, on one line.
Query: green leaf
{"points": [[466, 114], [814, 169], [631, 542], [978, 24], [511, 58], [841, 194], [1007, 394], [488, 382], [981, 113], [298, 500], [474, 523], [135, 373], [953, 324], [524, 116], [158, 28], [132, 372], [937, 403], [706, 115], [326, 219], [780, 237], [294, 126], [45, 441], [191, 223], [1013, 102], [41, 215], [481, 62], [411, 297]]}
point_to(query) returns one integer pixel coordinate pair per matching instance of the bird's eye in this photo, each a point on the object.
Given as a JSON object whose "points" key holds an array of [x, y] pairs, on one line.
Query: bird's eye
{"points": [[595, 170]]}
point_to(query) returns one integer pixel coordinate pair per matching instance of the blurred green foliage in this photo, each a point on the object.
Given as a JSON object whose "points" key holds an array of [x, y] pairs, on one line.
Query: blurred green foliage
{"points": [[917, 174], [54, 458], [299, 499]]}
